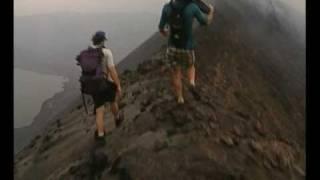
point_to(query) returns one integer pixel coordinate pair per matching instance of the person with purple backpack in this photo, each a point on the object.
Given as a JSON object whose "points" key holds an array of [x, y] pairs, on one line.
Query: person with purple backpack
{"points": [[99, 79]]}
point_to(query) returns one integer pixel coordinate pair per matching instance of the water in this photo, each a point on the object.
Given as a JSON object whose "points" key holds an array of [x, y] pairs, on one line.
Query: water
{"points": [[31, 89]]}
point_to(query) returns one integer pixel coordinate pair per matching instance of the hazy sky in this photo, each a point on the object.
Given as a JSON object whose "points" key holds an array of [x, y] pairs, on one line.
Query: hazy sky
{"points": [[298, 5], [31, 7]]}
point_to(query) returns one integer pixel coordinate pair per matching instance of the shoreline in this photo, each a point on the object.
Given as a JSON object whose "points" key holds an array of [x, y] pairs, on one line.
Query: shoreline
{"points": [[24, 134], [64, 82]]}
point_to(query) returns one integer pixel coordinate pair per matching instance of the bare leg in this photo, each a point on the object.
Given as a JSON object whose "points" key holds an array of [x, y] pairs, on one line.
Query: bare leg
{"points": [[191, 70], [192, 75], [176, 79], [100, 120], [117, 115], [114, 109]]}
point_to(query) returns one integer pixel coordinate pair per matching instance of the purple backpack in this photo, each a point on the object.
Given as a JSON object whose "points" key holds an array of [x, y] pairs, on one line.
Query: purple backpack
{"points": [[92, 76]]}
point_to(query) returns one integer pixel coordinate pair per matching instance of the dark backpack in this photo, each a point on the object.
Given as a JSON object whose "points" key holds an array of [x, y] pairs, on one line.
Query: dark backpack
{"points": [[176, 23], [92, 75]]}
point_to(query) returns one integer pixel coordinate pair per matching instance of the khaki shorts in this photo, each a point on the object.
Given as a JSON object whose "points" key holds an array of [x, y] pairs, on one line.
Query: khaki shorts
{"points": [[180, 57]]}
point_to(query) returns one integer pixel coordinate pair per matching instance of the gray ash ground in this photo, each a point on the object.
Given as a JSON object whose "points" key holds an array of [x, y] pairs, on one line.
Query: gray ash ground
{"points": [[235, 131]]}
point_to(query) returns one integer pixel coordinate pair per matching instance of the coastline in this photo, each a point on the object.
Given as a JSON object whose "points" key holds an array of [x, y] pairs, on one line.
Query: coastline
{"points": [[31, 90], [23, 135]]}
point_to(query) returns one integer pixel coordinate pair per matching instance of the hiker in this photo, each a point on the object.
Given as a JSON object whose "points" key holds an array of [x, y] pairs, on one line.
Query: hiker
{"points": [[100, 79], [178, 15]]}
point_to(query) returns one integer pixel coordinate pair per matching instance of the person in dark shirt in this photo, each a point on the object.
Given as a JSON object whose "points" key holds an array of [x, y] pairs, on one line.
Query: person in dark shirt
{"points": [[180, 53]]}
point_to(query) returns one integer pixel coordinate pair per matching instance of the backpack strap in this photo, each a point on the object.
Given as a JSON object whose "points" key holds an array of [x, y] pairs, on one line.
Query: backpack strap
{"points": [[100, 55]]}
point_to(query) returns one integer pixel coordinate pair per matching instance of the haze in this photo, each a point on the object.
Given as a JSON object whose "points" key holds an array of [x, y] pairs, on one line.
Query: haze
{"points": [[33, 7]]}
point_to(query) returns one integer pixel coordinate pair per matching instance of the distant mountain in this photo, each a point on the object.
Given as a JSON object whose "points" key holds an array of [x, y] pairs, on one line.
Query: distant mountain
{"points": [[142, 53]]}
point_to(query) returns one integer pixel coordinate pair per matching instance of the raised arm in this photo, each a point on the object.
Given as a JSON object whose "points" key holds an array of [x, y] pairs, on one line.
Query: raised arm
{"points": [[201, 18], [210, 15]]}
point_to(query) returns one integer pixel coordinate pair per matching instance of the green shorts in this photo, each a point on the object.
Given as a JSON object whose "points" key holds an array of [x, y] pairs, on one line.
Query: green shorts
{"points": [[180, 57]]}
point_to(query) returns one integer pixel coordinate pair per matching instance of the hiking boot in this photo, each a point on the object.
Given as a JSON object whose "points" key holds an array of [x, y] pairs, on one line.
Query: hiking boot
{"points": [[100, 139], [194, 92], [180, 100], [119, 119]]}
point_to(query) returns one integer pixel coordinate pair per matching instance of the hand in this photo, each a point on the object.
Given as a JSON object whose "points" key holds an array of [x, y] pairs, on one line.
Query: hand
{"points": [[211, 8], [210, 15], [164, 33]]}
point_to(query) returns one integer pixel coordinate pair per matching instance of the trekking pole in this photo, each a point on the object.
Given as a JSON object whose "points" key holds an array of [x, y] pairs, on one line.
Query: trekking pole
{"points": [[84, 103]]}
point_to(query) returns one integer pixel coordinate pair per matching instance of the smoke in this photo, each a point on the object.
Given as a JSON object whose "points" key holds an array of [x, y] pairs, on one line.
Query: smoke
{"points": [[33, 7], [295, 14], [290, 14], [291, 18], [275, 29]]}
